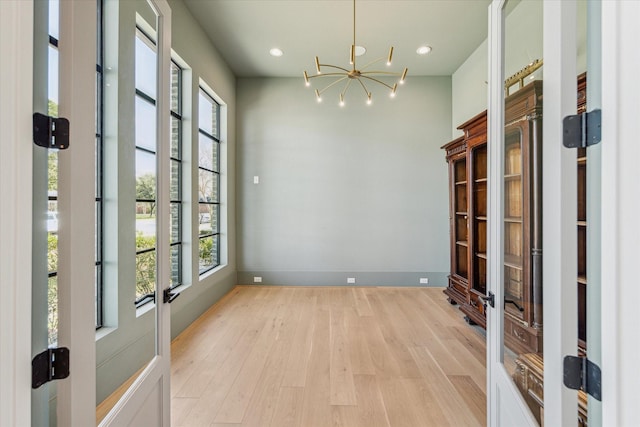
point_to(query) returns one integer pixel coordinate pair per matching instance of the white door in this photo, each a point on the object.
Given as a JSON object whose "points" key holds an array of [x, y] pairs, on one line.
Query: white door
{"points": [[147, 400], [16, 82], [555, 33]]}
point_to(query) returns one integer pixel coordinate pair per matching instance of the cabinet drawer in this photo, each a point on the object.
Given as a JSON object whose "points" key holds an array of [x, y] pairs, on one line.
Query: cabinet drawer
{"points": [[518, 333]]}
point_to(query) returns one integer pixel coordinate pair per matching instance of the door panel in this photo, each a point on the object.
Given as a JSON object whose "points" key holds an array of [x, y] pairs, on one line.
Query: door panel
{"points": [[148, 40], [16, 108]]}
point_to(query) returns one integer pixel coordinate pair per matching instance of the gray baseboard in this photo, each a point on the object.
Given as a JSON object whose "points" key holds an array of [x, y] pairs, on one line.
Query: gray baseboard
{"points": [[339, 278]]}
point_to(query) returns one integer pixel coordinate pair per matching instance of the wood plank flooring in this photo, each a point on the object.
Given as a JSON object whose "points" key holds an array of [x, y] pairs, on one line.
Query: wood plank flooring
{"points": [[299, 356]]}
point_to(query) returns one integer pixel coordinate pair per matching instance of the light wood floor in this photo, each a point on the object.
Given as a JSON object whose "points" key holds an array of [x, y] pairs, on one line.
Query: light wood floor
{"points": [[298, 356]]}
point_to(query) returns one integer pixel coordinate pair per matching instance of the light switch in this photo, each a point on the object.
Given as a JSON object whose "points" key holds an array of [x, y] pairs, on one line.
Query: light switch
{"points": [[256, 179]]}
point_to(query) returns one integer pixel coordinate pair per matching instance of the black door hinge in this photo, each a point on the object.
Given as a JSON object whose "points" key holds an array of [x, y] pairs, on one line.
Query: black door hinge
{"points": [[490, 299], [50, 132], [168, 295], [582, 374], [51, 364], [582, 130]]}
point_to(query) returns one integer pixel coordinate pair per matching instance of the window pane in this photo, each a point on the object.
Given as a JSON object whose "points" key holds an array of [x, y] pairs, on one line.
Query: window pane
{"points": [[208, 249], [175, 222], [98, 295], [53, 81], [54, 19], [176, 256], [145, 124], [52, 318], [205, 112], [176, 149], [98, 167], [205, 216], [52, 171], [207, 186], [98, 231], [175, 181], [145, 273], [145, 225], [145, 68], [215, 214], [206, 154], [145, 175], [175, 88]]}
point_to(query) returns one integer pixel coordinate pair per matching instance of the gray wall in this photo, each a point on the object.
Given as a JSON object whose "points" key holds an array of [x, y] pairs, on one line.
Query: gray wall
{"points": [[523, 44], [359, 191]]}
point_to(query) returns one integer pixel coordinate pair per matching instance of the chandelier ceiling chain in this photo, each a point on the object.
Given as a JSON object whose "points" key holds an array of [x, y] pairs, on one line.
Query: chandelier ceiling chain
{"points": [[354, 74]]}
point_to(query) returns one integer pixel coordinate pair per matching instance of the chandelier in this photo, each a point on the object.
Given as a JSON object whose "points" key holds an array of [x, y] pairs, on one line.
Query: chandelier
{"points": [[361, 76]]}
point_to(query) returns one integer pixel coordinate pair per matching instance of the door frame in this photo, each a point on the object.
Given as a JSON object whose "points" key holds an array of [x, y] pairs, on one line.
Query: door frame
{"points": [[560, 237], [619, 210], [16, 109], [76, 395]]}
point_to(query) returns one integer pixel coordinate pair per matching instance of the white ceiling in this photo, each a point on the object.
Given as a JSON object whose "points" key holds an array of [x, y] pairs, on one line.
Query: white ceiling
{"points": [[244, 31]]}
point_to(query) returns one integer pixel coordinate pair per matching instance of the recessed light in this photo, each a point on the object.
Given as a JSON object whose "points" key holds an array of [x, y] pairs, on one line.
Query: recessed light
{"points": [[360, 50], [423, 50], [276, 52]]}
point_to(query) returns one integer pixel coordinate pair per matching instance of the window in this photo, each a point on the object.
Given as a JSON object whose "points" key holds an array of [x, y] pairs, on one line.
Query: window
{"points": [[175, 196], [208, 182], [145, 142], [99, 166], [52, 184]]}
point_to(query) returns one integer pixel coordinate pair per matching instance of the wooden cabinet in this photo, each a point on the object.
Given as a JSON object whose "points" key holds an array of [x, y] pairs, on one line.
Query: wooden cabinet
{"points": [[523, 220], [467, 160], [522, 216]]}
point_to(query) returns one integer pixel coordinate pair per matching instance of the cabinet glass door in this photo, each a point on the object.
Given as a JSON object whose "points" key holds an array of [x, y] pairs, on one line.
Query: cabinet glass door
{"points": [[460, 260], [479, 232], [514, 298]]}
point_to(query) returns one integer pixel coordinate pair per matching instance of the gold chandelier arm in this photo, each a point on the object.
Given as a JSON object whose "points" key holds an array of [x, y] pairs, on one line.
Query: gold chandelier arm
{"points": [[366, 91], [377, 81], [371, 63], [335, 66], [323, 75], [332, 84], [344, 91], [388, 73]]}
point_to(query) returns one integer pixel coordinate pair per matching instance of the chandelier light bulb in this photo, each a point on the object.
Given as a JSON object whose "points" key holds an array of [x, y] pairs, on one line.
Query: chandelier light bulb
{"points": [[318, 97], [390, 56], [306, 79], [369, 98], [341, 100], [404, 76]]}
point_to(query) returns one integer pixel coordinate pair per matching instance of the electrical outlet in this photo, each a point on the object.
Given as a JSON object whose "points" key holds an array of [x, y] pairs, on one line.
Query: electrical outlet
{"points": [[424, 280], [257, 279], [351, 280]]}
